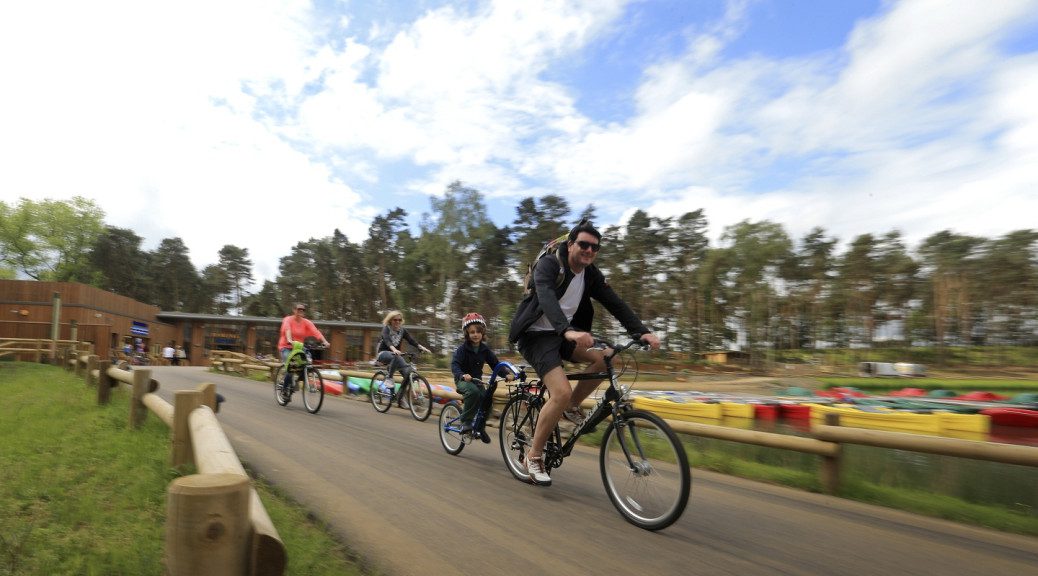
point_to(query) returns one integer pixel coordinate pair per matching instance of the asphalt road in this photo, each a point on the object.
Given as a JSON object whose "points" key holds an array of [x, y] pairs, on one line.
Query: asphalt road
{"points": [[386, 486]]}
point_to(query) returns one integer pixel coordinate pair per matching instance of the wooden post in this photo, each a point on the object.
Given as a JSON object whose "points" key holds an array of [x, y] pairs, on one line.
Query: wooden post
{"points": [[138, 411], [208, 391], [207, 525], [184, 402], [104, 382], [91, 366], [831, 464]]}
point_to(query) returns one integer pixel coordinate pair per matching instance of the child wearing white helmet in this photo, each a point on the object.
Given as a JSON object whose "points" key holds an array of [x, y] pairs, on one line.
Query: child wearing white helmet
{"points": [[467, 367]]}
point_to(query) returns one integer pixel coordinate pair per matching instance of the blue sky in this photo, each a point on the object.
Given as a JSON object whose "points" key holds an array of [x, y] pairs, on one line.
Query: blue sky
{"points": [[264, 123]]}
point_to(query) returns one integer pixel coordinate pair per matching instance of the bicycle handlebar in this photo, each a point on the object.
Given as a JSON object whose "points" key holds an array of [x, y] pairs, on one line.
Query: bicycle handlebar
{"points": [[601, 344]]}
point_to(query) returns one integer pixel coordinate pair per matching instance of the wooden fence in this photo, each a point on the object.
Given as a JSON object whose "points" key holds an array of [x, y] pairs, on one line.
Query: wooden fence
{"points": [[40, 349], [215, 523]]}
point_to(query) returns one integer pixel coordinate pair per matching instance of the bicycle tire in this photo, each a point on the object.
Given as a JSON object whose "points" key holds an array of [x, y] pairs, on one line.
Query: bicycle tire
{"points": [[313, 390], [380, 400], [518, 422], [654, 493], [450, 428], [419, 397], [279, 396]]}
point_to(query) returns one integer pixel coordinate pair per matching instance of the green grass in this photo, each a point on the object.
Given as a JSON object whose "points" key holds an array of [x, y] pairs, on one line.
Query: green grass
{"points": [[801, 471], [82, 493]]}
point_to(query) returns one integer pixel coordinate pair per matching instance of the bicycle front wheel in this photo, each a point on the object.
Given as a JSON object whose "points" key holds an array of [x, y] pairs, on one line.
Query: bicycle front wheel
{"points": [[380, 399], [280, 396], [419, 397], [313, 390], [645, 470], [450, 428]]}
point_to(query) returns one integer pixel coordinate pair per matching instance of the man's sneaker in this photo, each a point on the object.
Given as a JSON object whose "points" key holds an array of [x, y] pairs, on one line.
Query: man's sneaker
{"points": [[574, 415], [466, 427], [484, 436], [535, 468]]}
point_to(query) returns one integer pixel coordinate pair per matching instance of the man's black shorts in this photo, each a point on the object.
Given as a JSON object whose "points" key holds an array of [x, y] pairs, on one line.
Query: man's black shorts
{"points": [[545, 350]]}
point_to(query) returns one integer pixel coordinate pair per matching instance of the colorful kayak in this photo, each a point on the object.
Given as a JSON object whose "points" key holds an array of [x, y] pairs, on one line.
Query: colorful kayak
{"points": [[1008, 416], [881, 418]]}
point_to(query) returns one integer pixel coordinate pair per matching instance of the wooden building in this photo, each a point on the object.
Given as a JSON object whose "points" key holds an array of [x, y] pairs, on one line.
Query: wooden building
{"points": [[110, 321]]}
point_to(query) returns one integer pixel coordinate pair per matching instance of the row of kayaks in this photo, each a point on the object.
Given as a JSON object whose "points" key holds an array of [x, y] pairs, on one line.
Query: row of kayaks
{"points": [[939, 415], [943, 416]]}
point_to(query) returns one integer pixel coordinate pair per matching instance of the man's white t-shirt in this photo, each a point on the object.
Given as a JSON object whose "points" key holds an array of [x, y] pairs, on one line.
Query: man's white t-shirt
{"points": [[569, 302]]}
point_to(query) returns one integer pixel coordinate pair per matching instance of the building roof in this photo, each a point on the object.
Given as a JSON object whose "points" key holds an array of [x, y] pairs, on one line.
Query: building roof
{"points": [[173, 316]]}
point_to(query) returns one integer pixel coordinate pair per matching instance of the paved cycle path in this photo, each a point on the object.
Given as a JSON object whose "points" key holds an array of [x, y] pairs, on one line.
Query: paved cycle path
{"points": [[404, 506]]}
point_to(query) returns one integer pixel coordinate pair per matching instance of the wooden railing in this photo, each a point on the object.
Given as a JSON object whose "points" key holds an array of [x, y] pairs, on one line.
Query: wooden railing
{"points": [[38, 348], [217, 506]]}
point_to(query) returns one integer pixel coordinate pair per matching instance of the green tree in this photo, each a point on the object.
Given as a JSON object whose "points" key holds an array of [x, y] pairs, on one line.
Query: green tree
{"points": [[810, 279], [51, 239], [265, 302], [381, 255], [756, 253], [950, 268], [237, 274], [179, 286], [1009, 269], [121, 265]]}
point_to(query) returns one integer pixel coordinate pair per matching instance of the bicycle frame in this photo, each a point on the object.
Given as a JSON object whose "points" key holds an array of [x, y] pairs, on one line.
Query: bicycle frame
{"points": [[611, 405], [479, 420]]}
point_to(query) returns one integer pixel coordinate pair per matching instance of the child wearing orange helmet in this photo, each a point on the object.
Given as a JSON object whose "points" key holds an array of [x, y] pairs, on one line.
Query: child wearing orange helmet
{"points": [[467, 367]]}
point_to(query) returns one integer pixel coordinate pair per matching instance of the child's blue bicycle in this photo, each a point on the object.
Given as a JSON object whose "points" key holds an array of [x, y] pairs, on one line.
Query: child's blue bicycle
{"points": [[452, 435]]}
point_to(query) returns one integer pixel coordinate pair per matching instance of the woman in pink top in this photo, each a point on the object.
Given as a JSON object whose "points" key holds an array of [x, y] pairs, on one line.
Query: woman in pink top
{"points": [[295, 328]]}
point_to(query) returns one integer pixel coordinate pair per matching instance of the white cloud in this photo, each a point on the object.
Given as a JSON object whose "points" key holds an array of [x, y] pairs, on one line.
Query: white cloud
{"points": [[220, 122]]}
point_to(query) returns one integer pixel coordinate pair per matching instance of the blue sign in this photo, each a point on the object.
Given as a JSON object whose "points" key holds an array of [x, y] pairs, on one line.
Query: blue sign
{"points": [[139, 329]]}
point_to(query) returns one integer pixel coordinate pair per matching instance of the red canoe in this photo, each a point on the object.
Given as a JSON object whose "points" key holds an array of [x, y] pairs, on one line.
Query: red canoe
{"points": [[795, 411], [765, 411], [1006, 416]]}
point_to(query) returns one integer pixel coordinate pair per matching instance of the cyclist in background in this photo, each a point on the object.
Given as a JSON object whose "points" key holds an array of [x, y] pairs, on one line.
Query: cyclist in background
{"points": [[389, 352], [295, 328], [553, 324], [467, 367]]}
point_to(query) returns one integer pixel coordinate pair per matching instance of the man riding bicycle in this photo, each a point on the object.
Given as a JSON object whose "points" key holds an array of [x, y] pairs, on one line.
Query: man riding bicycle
{"points": [[553, 324]]}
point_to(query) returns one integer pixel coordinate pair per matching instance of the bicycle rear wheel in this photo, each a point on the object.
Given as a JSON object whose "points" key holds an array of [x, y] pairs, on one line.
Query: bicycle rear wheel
{"points": [[518, 421], [313, 390], [280, 396], [419, 397], [450, 428], [645, 470], [380, 399]]}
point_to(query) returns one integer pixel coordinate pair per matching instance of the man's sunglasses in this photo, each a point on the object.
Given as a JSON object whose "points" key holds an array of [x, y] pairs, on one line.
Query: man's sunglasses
{"points": [[584, 245]]}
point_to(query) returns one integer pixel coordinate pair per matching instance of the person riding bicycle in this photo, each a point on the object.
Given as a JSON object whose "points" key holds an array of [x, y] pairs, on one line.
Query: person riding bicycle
{"points": [[389, 352], [294, 329], [467, 367], [553, 324]]}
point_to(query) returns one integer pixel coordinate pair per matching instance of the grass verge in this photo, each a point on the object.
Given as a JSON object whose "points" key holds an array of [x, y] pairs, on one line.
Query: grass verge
{"points": [[82, 493]]}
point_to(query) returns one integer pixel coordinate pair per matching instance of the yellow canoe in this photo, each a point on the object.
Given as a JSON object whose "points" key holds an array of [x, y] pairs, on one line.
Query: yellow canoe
{"points": [[878, 418]]}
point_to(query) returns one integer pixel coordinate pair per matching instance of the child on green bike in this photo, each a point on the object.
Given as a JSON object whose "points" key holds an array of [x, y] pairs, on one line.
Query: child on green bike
{"points": [[467, 367]]}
